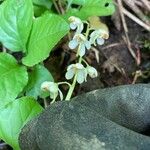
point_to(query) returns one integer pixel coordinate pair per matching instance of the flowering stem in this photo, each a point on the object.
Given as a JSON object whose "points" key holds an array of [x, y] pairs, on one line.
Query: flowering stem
{"points": [[85, 62], [53, 99], [59, 83], [71, 89]]}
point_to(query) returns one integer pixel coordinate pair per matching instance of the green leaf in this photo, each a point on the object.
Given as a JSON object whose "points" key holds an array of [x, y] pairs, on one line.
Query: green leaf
{"points": [[14, 116], [91, 8], [37, 76], [15, 25], [39, 10], [46, 3], [46, 33], [13, 78], [78, 2]]}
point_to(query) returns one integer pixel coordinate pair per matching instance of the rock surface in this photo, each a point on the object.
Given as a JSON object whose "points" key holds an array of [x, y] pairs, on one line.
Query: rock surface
{"points": [[107, 119]]}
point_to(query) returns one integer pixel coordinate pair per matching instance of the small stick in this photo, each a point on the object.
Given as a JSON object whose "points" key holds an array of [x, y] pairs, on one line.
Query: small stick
{"points": [[138, 74], [126, 29], [136, 10], [146, 4], [60, 6], [135, 19], [96, 53], [56, 6], [112, 45]]}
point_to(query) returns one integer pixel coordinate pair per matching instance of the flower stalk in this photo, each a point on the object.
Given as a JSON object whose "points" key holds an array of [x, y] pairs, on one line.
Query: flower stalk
{"points": [[78, 72]]}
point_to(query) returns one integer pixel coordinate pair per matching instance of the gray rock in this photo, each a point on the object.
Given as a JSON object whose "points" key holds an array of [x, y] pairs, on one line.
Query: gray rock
{"points": [[107, 119]]}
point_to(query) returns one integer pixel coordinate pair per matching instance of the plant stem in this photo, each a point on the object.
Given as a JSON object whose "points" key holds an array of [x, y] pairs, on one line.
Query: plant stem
{"points": [[59, 83], [45, 103], [71, 89]]}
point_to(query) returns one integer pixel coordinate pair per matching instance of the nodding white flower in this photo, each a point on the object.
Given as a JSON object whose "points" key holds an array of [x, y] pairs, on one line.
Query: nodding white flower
{"points": [[52, 88], [81, 41], [98, 36], [92, 72], [76, 23], [78, 70]]}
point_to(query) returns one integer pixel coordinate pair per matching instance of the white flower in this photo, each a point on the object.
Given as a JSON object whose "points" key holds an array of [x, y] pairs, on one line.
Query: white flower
{"points": [[78, 70], [52, 88], [76, 23], [92, 71], [80, 39], [98, 36]]}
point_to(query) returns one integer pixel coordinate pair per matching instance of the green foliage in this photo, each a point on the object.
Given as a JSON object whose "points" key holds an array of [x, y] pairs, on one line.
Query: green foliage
{"points": [[47, 30], [91, 8], [45, 3], [13, 78], [35, 37], [15, 25], [37, 76], [14, 116]]}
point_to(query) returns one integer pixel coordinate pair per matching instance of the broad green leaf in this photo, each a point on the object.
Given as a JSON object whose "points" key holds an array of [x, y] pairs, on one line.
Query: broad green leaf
{"points": [[91, 8], [13, 78], [15, 25], [47, 31], [14, 116], [37, 76], [46, 3]]}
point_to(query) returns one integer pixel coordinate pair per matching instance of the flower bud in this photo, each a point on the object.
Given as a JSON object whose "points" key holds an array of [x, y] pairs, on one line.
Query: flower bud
{"points": [[92, 72]]}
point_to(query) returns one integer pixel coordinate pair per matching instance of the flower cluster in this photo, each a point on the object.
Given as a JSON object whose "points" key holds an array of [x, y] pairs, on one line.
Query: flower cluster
{"points": [[80, 72], [79, 40], [76, 23]]}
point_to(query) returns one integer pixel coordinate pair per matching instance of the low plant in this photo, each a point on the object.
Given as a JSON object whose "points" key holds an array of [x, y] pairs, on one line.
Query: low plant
{"points": [[31, 29]]}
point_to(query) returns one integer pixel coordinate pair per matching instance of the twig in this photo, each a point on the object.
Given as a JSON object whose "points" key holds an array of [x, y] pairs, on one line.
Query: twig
{"points": [[96, 53], [56, 6], [146, 4], [138, 74], [126, 29], [137, 2], [60, 7], [112, 45], [136, 10], [137, 20]]}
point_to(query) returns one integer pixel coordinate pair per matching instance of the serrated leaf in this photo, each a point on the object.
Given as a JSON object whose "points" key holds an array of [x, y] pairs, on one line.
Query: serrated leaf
{"points": [[36, 77], [46, 33], [91, 8], [14, 116], [15, 25], [13, 78]]}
